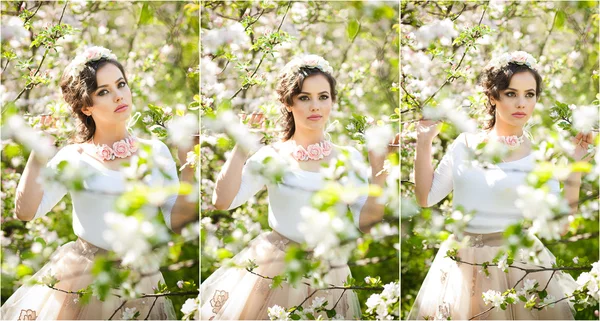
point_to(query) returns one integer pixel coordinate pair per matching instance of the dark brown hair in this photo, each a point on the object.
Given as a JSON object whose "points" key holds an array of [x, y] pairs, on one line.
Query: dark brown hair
{"points": [[496, 80], [289, 86], [78, 94]]}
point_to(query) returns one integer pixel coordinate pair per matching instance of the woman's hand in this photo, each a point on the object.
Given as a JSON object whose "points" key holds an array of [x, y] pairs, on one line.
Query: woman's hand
{"points": [[427, 130], [377, 160], [582, 142], [183, 152], [254, 121]]}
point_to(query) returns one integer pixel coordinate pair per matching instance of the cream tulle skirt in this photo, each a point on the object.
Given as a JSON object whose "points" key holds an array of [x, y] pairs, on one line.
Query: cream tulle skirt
{"points": [[71, 264], [232, 293], [452, 290]]}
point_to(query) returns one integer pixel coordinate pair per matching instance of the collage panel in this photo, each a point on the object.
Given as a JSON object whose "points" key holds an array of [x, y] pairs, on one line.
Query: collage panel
{"points": [[299, 160], [499, 168], [99, 163]]}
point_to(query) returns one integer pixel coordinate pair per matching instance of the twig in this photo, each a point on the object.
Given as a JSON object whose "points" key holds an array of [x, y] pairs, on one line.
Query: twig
{"points": [[551, 276], [484, 312], [331, 287], [36, 10], [44, 57], [152, 307], [303, 301], [264, 54], [119, 308], [548, 35], [545, 305], [338, 300]]}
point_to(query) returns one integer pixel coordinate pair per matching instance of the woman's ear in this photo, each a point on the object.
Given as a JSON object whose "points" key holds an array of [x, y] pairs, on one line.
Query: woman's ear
{"points": [[87, 110], [288, 108], [492, 101]]}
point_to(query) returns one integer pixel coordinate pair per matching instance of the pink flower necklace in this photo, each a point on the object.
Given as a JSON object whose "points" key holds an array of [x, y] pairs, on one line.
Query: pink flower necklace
{"points": [[120, 149], [512, 142], [312, 152]]}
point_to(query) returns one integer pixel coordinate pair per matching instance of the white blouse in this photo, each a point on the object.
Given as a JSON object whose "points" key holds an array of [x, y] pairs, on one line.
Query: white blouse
{"points": [[489, 192], [102, 187], [287, 198]]}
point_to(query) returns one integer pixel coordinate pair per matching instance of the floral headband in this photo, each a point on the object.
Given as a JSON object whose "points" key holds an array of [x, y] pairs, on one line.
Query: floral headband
{"points": [[89, 54], [516, 57], [310, 61]]}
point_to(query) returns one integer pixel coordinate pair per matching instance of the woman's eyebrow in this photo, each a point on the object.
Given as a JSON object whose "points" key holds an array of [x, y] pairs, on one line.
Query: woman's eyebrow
{"points": [[517, 90], [115, 82], [323, 92]]}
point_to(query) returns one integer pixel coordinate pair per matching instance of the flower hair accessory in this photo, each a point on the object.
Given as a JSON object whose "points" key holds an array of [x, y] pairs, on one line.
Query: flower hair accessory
{"points": [[515, 57], [310, 61], [89, 54]]}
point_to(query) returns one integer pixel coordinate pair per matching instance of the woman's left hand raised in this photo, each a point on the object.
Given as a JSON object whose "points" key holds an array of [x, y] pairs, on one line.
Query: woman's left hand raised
{"points": [[182, 152], [376, 160], [582, 142]]}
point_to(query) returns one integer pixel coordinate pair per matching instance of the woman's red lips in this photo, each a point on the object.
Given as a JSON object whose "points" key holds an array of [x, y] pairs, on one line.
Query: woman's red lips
{"points": [[519, 115], [314, 117], [121, 108]]}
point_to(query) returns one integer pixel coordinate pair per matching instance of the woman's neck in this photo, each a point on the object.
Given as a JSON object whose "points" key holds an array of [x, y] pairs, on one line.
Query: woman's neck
{"points": [[306, 138], [507, 130], [109, 135]]}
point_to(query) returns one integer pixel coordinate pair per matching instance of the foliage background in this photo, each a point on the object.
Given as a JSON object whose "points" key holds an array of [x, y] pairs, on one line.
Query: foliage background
{"points": [[442, 61], [157, 43], [244, 45]]}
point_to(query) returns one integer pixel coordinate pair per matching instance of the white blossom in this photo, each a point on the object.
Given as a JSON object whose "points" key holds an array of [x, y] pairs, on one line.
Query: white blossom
{"points": [[182, 129], [278, 313], [585, 118], [190, 308], [317, 302], [128, 314], [378, 138], [493, 297]]}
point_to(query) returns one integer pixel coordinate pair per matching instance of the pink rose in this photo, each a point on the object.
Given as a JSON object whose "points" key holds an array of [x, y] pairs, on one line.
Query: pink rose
{"points": [[326, 148], [133, 145], [121, 149], [314, 152], [311, 61], [300, 154], [105, 152], [511, 141]]}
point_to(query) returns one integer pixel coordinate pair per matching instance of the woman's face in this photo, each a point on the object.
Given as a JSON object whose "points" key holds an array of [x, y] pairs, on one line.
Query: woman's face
{"points": [[515, 104], [311, 108], [112, 99]]}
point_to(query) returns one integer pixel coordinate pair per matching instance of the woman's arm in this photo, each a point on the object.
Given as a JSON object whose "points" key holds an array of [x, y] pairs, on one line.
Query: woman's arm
{"points": [[426, 132], [184, 211], [372, 212], [29, 192], [229, 179], [573, 182]]}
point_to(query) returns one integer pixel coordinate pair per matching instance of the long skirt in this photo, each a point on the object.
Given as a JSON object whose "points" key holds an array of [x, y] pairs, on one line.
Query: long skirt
{"points": [[454, 290], [71, 264], [233, 293]]}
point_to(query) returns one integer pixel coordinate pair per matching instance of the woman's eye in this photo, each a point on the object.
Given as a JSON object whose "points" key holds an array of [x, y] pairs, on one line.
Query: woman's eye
{"points": [[530, 95], [122, 84], [102, 92], [510, 94], [324, 97], [303, 98]]}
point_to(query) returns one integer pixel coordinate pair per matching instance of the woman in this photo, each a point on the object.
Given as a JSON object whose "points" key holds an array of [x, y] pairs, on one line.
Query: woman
{"points": [[450, 290], [306, 89], [96, 88]]}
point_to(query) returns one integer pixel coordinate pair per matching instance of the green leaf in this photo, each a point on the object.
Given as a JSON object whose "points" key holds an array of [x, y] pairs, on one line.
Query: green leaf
{"points": [[543, 294], [224, 253], [295, 317], [352, 29], [146, 15], [331, 313], [560, 19]]}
